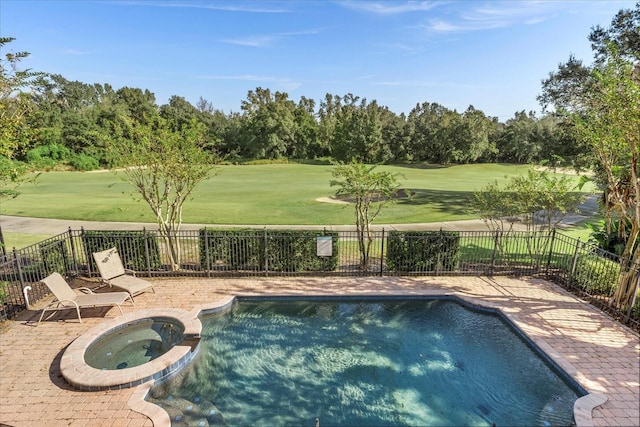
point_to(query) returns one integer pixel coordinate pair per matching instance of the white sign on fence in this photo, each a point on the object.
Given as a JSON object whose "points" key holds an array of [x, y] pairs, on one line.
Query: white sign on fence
{"points": [[324, 245]]}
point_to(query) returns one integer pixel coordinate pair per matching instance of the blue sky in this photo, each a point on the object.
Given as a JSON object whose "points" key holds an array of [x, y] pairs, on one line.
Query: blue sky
{"points": [[489, 54]]}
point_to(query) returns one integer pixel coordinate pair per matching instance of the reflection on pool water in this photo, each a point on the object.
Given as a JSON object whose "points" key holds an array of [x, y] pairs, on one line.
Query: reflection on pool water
{"points": [[373, 362], [134, 344]]}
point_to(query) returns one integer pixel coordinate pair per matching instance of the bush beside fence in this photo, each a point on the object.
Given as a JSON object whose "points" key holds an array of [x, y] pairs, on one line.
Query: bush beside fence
{"points": [[582, 268], [423, 251], [276, 251]]}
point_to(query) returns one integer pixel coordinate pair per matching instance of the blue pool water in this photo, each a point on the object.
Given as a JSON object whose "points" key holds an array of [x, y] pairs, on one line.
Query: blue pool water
{"points": [[418, 362]]}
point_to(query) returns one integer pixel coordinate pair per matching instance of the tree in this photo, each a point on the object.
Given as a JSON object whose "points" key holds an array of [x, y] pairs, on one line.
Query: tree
{"points": [[164, 166], [269, 124], [15, 104], [369, 191], [602, 102], [539, 200], [611, 127]]}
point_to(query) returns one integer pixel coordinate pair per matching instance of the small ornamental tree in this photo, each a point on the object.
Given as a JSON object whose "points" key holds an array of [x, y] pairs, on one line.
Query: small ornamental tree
{"points": [[539, 200], [369, 191], [164, 166]]}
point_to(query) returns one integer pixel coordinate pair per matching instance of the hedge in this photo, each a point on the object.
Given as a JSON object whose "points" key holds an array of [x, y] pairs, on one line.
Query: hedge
{"points": [[418, 251], [260, 250], [596, 275], [130, 245]]}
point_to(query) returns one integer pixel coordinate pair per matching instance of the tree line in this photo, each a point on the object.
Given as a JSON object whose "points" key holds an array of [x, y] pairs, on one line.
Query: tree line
{"points": [[74, 123]]}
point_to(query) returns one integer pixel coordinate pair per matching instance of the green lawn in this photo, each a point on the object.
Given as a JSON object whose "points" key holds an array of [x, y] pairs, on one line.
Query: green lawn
{"points": [[20, 240], [258, 194]]}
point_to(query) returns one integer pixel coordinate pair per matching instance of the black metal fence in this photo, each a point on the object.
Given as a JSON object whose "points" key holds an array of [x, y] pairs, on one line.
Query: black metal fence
{"points": [[582, 268]]}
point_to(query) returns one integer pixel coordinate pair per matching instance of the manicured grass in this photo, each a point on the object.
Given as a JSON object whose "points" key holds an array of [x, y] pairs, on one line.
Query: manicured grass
{"points": [[20, 240], [259, 194]]}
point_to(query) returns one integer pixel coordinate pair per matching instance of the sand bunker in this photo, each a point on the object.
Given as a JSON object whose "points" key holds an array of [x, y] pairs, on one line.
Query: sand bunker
{"points": [[331, 200]]}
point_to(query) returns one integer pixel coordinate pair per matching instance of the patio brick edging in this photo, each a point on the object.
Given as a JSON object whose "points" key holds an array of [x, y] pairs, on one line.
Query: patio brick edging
{"points": [[582, 408]]}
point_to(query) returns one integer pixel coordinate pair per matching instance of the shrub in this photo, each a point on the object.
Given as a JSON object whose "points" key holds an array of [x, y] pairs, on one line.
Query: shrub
{"points": [[84, 162], [55, 257], [597, 275], [47, 156], [416, 251], [280, 250], [296, 250], [231, 249], [131, 245]]}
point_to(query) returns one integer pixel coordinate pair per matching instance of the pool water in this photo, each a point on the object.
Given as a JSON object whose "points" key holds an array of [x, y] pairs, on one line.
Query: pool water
{"points": [[427, 362], [134, 344]]}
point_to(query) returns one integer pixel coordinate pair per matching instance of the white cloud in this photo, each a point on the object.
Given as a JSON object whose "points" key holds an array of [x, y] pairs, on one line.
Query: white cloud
{"points": [[234, 6], [266, 40], [499, 14], [390, 8]]}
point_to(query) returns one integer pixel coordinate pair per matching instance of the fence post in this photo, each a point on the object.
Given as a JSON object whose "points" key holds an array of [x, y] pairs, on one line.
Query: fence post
{"points": [[495, 248], [266, 253], [575, 261], [553, 239], [382, 253], [439, 253], [207, 256], [19, 268], [73, 252], [146, 250]]}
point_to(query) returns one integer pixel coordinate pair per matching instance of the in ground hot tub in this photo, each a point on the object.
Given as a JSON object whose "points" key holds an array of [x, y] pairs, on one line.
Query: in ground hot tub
{"points": [[132, 349], [135, 343]]}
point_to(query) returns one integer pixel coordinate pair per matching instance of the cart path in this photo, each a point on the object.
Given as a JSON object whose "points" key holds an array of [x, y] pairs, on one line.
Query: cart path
{"points": [[19, 224]]}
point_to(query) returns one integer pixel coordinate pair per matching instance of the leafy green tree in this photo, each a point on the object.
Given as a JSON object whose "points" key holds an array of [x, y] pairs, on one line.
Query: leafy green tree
{"points": [[434, 133], [269, 124], [517, 142], [306, 131], [369, 191], [472, 136], [396, 135], [610, 125], [164, 166], [539, 200], [15, 104], [602, 103]]}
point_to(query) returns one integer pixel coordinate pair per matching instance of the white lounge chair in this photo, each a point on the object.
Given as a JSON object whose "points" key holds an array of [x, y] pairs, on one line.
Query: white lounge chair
{"points": [[67, 298], [113, 273]]}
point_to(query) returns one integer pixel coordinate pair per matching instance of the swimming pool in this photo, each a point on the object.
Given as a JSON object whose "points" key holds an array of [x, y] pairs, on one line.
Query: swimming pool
{"points": [[421, 361]]}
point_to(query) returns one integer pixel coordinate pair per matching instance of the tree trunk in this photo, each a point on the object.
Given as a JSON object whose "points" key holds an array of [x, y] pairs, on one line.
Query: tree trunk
{"points": [[624, 295]]}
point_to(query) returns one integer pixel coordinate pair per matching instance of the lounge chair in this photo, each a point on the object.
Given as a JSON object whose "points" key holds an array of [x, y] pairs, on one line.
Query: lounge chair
{"points": [[67, 298], [113, 273]]}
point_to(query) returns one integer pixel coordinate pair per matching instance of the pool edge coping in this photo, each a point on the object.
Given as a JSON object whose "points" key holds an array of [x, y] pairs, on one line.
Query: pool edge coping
{"points": [[582, 408]]}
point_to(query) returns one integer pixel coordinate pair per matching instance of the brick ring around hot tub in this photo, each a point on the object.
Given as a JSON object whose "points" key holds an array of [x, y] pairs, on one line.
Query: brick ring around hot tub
{"points": [[82, 376]]}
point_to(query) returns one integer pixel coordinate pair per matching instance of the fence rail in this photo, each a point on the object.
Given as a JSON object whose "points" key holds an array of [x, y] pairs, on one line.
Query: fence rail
{"points": [[582, 268]]}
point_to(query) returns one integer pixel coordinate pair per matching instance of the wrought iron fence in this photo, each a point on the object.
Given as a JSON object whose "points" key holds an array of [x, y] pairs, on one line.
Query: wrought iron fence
{"points": [[580, 267]]}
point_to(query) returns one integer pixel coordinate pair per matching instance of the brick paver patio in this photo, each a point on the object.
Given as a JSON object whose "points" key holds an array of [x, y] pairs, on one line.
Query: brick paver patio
{"points": [[602, 355]]}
